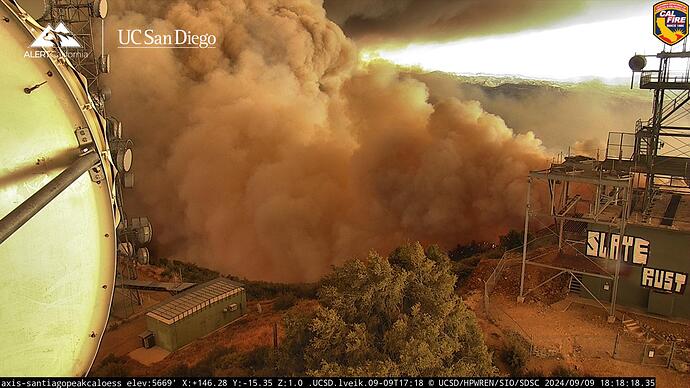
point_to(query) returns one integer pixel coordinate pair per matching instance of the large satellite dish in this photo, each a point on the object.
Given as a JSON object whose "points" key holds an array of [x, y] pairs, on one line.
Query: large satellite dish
{"points": [[38, 9], [58, 267]]}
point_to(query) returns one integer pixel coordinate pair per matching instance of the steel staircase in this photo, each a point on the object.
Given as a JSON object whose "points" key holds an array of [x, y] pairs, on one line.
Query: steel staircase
{"points": [[575, 287]]}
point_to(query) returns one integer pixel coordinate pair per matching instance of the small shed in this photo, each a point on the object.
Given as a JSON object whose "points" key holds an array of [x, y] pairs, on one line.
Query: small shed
{"points": [[196, 312]]}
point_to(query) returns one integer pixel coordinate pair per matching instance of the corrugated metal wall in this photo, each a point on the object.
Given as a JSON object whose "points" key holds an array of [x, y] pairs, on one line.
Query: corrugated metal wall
{"points": [[668, 250], [174, 336]]}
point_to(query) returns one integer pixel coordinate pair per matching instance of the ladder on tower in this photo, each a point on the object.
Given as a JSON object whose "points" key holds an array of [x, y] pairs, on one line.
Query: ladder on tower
{"points": [[642, 134], [653, 199], [642, 129], [673, 105]]}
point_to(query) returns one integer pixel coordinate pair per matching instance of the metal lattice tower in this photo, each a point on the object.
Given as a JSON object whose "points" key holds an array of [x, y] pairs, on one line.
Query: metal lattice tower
{"points": [[659, 149], [80, 16], [671, 95], [641, 170]]}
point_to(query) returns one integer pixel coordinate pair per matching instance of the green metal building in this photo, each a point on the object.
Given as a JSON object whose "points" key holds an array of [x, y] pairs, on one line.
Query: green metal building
{"points": [[655, 260], [622, 219], [613, 246], [196, 312]]}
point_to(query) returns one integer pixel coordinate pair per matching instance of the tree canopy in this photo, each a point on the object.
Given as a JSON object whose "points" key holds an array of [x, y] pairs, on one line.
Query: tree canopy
{"points": [[512, 239], [385, 317]]}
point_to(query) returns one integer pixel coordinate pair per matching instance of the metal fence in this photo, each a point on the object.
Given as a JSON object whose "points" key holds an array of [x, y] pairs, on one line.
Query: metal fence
{"points": [[509, 258], [650, 350], [490, 283]]}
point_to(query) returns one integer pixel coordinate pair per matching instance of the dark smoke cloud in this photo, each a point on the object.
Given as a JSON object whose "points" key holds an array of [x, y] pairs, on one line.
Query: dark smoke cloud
{"points": [[405, 21], [401, 22], [277, 155]]}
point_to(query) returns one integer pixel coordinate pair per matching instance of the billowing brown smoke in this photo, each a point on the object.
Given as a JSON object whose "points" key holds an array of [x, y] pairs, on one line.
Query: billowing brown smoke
{"points": [[579, 116], [276, 154], [589, 147]]}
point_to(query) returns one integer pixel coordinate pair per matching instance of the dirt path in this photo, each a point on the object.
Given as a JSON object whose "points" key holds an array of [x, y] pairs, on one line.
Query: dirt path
{"points": [[122, 340], [573, 335]]}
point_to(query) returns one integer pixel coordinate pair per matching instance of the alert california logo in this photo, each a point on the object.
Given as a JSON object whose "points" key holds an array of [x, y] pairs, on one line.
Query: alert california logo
{"points": [[670, 21]]}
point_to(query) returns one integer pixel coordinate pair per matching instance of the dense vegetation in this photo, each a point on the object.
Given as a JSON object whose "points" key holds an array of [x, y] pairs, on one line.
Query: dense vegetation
{"points": [[186, 272], [516, 353], [256, 290], [110, 366], [461, 252], [395, 315], [261, 290], [387, 316], [512, 239]]}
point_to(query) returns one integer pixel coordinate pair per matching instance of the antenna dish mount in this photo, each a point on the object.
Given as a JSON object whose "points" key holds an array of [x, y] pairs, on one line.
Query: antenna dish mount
{"points": [[637, 63]]}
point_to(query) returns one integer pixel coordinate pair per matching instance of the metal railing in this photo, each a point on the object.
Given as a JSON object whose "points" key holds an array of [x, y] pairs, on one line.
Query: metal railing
{"points": [[620, 145], [653, 76]]}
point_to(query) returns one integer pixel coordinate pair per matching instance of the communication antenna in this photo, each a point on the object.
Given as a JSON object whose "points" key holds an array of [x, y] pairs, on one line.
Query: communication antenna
{"points": [[61, 229], [637, 63], [668, 124], [57, 222], [79, 17]]}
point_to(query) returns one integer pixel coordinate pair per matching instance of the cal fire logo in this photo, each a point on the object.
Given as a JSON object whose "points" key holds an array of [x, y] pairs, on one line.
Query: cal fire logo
{"points": [[59, 34], [635, 251], [670, 21]]}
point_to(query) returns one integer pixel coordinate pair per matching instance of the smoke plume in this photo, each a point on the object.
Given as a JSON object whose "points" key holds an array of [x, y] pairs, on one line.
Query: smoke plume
{"points": [[401, 22], [579, 116], [404, 21], [276, 154]]}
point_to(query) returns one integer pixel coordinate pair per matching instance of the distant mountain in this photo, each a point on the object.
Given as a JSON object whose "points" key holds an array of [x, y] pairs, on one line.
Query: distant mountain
{"points": [[561, 114]]}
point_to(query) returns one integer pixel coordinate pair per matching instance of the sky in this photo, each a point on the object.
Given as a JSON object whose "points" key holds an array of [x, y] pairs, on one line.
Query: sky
{"points": [[584, 49]]}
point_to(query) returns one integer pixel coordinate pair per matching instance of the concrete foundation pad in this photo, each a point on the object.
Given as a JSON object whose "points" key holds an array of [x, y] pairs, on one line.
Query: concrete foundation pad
{"points": [[521, 299], [148, 356]]}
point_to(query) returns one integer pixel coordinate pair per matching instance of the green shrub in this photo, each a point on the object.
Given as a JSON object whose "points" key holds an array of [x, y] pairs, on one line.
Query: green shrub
{"points": [[464, 268], [207, 366], [256, 362], [111, 366], [564, 371], [463, 272], [516, 353], [285, 301], [190, 272], [383, 316], [461, 252], [196, 370], [528, 373], [512, 239], [230, 360], [258, 290], [257, 358]]}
